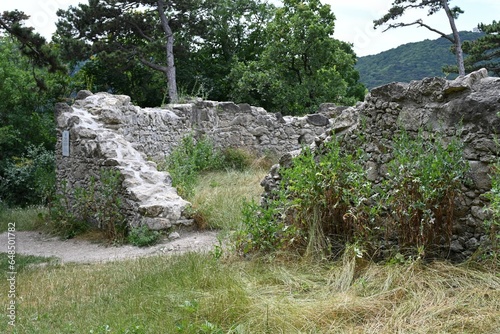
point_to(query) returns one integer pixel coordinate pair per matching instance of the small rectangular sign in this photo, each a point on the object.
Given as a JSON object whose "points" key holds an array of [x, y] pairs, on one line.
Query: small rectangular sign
{"points": [[65, 143]]}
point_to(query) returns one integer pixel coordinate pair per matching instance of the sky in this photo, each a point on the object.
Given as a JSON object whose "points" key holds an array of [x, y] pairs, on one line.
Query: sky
{"points": [[354, 21]]}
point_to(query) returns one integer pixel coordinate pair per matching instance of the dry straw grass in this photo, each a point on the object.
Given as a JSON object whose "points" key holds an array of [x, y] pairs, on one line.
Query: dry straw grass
{"points": [[256, 296]]}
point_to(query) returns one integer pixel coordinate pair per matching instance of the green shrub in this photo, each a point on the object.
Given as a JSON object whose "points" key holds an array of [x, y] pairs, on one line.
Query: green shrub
{"points": [[323, 203], [29, 179], [423, 180], [493, 224], [190, 158], [142, 236], [236, 158], [99, 204]]}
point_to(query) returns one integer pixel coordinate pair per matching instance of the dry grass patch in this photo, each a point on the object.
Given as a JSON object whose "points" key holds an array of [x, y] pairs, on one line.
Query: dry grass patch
{"points": [[219, 196]]}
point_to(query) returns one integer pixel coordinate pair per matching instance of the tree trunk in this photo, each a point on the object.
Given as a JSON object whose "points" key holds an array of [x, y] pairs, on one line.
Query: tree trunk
{"points": [[456, 37], [169, 46]]}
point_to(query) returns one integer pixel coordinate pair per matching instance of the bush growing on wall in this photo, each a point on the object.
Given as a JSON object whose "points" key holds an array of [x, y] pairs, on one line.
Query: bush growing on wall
{"points": [[493, 223], [325, 200], [423, 180], [100, 205]]}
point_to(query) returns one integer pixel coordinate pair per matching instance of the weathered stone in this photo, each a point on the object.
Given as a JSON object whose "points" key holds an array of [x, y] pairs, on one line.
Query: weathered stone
{"points": [[83, 94], [391, 92], [317, 120], [480, 175]]}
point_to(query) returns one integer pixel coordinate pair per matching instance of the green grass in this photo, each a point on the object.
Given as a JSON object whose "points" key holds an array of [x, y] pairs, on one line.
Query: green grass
{"points": [[25, 219], [23, 262], [194, 293], [218, 196]]}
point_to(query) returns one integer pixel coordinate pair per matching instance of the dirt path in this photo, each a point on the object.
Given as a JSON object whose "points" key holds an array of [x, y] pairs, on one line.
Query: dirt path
{"points": [[84, 251]]}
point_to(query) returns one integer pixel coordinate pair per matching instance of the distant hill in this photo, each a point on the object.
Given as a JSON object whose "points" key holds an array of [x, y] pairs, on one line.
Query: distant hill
{"points": [[412, 61]]}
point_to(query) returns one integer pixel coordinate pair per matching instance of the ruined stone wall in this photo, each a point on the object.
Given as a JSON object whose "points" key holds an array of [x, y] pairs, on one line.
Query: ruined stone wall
{"points": [[108, 131], [156, 131], [469, 104]]}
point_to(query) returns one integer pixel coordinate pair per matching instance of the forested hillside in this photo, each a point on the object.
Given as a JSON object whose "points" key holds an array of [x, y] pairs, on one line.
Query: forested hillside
{"points": [[412, 61]]}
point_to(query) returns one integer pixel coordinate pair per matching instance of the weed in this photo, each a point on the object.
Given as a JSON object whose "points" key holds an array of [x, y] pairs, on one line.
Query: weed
{"points": [[424, 178], [325, 201], [236, 158], [62, 219], [142, 236], [99, 204], [493, 224], [322, 204], [190, 158]]}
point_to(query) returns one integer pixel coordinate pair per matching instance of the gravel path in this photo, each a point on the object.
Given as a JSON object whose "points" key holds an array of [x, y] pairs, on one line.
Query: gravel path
{"points": [[84, 251]]}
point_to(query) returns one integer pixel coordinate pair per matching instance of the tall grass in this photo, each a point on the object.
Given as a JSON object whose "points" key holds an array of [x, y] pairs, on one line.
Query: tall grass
{"points": [[218, 196], [25, 219], [194, 293]]}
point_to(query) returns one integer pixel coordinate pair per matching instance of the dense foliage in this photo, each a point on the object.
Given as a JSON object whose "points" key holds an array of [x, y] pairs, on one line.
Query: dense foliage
{"points": [[301, 65], [485, 51], [325, 201], [27, 136], [412, 61], [223, 50]]}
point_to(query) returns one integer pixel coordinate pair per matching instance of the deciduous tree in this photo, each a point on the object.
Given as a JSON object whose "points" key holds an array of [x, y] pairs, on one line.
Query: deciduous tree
{"points": [[136, 29], [302, 64]]}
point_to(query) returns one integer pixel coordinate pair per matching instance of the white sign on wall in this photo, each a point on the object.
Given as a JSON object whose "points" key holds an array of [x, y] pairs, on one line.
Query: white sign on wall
{"points": [[65, 143]]}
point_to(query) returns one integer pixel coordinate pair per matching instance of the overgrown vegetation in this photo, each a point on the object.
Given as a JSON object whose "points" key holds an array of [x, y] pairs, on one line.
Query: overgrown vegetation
{"points": [[222, 293], [24, 218], [99, 205], [198, 154], [493, 223], [142, 236], [326, 202], [218, 197], [423, 181]]}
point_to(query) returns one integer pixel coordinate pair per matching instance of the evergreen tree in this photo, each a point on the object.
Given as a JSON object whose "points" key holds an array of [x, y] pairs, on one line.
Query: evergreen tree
{"points": [[485, 51]]}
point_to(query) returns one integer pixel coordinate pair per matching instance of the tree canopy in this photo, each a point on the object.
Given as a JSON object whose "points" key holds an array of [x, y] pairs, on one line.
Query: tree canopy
{"points": [[127, 36], [400, 7], [132, 30], [302, 65]]}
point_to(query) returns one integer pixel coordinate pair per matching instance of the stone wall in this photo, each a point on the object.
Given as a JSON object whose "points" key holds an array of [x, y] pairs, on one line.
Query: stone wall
{"points": [[469, 104], [107, 131]]}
